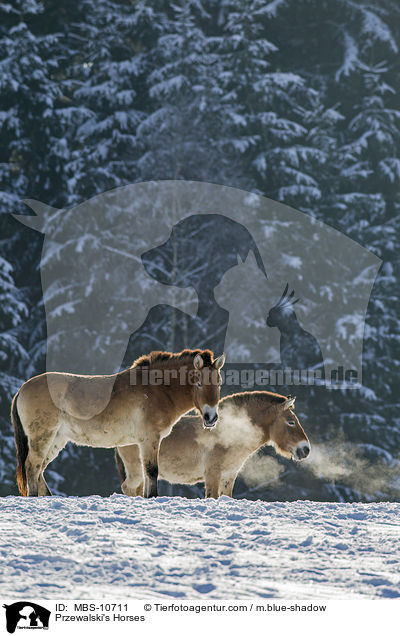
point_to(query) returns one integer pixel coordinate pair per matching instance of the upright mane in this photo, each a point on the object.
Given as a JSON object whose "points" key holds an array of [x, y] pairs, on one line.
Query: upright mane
{"points": [[166, 358], [244, 397]]}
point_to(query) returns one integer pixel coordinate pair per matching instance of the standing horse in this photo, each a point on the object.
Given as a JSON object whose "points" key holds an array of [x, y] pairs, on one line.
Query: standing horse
{"points": [[146, 401], [192, 454]]}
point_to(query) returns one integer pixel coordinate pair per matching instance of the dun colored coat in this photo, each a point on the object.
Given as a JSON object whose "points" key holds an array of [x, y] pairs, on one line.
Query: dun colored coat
{"points": [[191, 454], [145, 402]]}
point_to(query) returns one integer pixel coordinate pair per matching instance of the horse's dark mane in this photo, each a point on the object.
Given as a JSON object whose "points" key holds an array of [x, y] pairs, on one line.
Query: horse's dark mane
{"points": [[165, 357], [260, 396]]}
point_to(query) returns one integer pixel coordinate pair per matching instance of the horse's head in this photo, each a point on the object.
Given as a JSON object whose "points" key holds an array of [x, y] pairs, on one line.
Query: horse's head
{"points": [[286, 432], [282, 309], [206, 387]]}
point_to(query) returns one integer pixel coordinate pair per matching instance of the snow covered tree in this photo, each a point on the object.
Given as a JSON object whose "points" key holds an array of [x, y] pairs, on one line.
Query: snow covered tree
{"points": [[294, 99], [31, 139], [13, 358], [261, 102], [375, 143], [104, 86], [184, 133]]}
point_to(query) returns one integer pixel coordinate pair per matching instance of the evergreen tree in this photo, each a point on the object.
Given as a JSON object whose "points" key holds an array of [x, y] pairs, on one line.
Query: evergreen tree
{"points": [[261, 101], [184, 133], [105, 86], [30, 135], [13, 357], [294, 99]]}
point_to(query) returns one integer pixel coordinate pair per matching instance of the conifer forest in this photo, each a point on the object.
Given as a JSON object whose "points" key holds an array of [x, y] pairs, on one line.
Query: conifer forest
{"points": [[294, 100]]}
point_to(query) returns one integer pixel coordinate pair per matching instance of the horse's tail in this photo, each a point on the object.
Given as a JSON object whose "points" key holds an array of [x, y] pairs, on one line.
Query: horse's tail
{"points": [[120, 466], [21, 444]]}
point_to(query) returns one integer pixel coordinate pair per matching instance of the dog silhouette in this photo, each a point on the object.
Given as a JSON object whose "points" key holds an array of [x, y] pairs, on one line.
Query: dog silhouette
{"points": [[24, 610], [199, 251]]}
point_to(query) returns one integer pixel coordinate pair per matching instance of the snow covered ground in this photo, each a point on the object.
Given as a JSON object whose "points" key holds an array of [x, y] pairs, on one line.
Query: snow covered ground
{"points": [[119, 547]]}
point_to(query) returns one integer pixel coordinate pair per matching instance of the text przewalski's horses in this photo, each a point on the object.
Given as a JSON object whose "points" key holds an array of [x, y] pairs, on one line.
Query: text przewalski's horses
{"points": [[191, 454], [146, 401]]}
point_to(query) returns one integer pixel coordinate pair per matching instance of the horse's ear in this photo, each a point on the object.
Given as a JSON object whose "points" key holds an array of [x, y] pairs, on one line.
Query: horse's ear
{"points": [[198, 362], [219, 362], [38, 222], [288, 403]]}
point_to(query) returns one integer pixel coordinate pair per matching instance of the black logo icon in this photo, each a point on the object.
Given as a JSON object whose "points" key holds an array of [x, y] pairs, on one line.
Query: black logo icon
{"points": [[26, 615]]}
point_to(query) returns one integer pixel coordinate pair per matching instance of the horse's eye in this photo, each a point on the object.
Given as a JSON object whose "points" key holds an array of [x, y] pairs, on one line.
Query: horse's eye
{"points": [[291, 423], [199, 385]]}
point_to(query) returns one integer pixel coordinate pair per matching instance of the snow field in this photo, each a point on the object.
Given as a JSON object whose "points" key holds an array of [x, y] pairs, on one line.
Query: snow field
{"points": [[120, 547]]}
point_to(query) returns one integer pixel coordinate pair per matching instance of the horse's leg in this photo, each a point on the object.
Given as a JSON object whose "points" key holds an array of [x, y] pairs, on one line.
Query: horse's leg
{"points": [[226, 485], [59, 443], [33, 465], [38, 449], [43, 489], [212, 480], [212, 490], [130, 456], [149, 455], [212, 473]]}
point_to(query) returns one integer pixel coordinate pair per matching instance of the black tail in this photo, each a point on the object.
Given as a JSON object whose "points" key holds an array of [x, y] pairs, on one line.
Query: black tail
{"points": [[120, 466], [21, 444]]}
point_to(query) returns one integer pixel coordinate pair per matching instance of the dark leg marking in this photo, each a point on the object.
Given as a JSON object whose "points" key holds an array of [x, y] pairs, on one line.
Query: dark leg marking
{"points": [[152, 475], [152, 470]]}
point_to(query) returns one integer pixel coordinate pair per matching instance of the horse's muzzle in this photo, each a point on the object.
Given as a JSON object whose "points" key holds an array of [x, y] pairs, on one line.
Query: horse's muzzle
{"points": [[302, 451], [209, 421]]}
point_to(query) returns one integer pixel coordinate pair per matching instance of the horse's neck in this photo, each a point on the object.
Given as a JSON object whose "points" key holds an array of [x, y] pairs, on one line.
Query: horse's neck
{"points": [[238, 428], [180, 397], [261, 421]]}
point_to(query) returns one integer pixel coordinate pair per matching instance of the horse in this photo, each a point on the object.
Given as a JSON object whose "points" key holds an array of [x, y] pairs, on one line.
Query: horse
{"points": [[146, 400], [192, 454]]}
